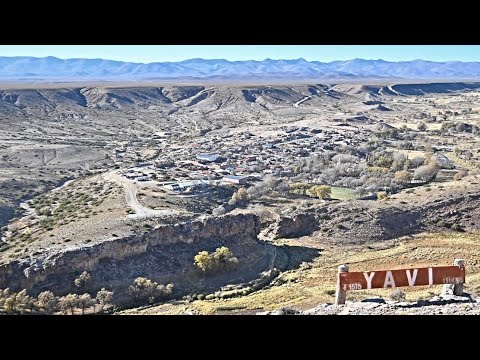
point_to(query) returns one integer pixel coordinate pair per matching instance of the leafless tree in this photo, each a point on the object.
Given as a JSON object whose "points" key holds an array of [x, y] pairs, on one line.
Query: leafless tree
{"points": [[47, 302], [83, 280], [68, 302], [85, 301], [104, 297]]}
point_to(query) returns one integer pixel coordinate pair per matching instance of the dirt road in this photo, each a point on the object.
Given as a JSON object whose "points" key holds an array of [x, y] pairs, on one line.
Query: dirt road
{"points": [[297, 104], [131, 190]]}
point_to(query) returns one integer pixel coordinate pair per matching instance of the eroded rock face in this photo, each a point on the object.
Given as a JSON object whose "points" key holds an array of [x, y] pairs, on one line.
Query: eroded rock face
{"points": [[295, 226], [6, 213], [361, 221], [117, 262]]}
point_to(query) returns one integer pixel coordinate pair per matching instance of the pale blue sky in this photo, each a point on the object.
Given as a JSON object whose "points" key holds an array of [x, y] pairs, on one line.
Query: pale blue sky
{"points": [[154, 53]]}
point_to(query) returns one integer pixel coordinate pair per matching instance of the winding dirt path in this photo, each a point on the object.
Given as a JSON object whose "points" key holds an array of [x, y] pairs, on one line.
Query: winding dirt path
{"points": [[297, 104], [131, 190]]}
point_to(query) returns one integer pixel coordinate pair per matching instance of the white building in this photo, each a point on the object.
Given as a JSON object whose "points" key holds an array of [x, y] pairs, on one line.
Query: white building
{"points": [[234, 179]]}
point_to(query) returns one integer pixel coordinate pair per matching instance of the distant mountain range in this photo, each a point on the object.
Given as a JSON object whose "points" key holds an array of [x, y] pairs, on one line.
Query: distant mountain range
{"points": [[51, 68]]}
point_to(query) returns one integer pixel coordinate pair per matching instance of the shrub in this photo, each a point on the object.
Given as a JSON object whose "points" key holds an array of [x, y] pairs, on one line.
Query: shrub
{"points": [[218, 211], [459, 175], [238, 197], [460, 127], [403, 177], [83, 280], [425, 173], [298, 188], [456, 227], [324, 216], [441, 223], [382, 195], [380, 159], [104, 297], [422, 127], [146, 289], [219, 261], [344, 158], [399, 160], [378, 169], [416, 162], [397, 295], [320, 191]]}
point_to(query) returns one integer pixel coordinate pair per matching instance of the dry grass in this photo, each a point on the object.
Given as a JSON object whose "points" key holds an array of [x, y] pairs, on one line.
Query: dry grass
{"points": [[460, 162], [342, 193], [411, 154], [414, 125], [69, 215]]}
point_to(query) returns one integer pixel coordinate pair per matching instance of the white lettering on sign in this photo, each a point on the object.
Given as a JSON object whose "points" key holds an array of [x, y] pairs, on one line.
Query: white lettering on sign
{"points": [[356, 286], [452, 280], [369, 278], [412, 279], [430, 276], [389, 281]]}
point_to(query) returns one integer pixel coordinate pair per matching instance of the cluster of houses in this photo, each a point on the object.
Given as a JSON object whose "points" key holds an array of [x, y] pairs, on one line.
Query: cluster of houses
{"points": [[238, 159]]}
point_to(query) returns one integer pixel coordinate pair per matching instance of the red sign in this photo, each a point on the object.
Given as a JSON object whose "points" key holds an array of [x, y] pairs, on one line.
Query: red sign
{"points": [[398, 278]]}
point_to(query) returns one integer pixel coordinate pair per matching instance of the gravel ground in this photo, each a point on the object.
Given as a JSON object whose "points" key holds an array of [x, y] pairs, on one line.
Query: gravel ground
{"points": [[444, 304]]}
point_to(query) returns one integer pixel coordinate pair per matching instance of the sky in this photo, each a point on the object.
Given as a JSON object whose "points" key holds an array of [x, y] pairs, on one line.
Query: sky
{"points": [[324, 53]]}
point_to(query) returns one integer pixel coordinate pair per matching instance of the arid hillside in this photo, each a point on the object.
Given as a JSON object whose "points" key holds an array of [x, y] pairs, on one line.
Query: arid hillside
{"points": [[128, 181]]}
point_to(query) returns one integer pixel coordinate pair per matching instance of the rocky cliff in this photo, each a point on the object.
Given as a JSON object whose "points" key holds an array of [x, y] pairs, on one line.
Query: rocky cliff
{"points": [[164, 254], [294, 226]]}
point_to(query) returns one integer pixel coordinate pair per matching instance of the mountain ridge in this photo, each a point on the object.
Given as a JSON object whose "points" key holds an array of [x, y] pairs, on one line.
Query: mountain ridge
{"points": [[52, 68]]}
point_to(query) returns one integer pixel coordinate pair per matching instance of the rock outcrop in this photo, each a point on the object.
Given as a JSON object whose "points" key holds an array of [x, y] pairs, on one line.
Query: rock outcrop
{"points": [[295, 226], [165, 253]]}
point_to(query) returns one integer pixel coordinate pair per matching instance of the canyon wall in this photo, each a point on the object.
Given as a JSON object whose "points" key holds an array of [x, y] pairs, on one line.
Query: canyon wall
{"points": [[165, 253]]}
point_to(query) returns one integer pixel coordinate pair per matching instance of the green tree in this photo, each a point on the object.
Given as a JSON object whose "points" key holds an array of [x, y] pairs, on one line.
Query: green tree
{"points": [[220, 260], [225, 259], [321, 191], [204, 261]]}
